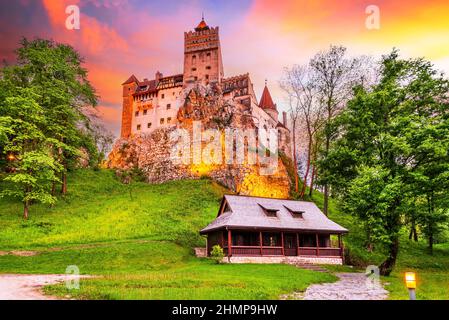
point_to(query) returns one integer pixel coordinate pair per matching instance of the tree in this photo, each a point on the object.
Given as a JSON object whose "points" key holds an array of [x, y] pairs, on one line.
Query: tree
{"points": [[29, 149], [298, 84], [334, 76], [392, 138], [55, 71]]}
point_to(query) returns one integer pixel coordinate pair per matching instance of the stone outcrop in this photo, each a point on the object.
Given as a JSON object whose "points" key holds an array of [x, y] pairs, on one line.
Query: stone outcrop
{"points": [[152, 153]]}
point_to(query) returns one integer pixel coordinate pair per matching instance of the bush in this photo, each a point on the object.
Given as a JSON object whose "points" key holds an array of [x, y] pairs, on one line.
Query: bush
{"points": [[217, 253]]}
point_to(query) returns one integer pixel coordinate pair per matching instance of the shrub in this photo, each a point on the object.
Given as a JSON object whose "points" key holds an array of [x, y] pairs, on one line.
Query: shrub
{"points": [[217, 253]]}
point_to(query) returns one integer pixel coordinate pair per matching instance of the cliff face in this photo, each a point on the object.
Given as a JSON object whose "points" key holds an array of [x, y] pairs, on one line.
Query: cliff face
{"points": [[154, 153]]}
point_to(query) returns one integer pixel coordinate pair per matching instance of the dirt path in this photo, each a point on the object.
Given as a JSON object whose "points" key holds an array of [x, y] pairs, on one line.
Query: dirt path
{"points": [[351, 286], [28, 287]]}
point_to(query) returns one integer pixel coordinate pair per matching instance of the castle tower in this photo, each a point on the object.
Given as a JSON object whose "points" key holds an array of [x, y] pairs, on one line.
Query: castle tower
{"points": [[202, 55], [267, 104], [129, 87]]}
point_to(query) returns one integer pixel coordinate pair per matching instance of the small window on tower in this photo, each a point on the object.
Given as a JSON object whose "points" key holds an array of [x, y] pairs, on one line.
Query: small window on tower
{"points": [[208, 54], [162, 121], [168, 106], [162, 96], [149, 125], [207, 77], [138, 127], [136, 113], [208, 67], [193, 69], [168, 120], [145, 112]]}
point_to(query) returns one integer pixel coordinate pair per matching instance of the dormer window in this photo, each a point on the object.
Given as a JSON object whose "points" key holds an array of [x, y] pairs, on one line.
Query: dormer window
{"points": [[295, 213], [270, 212]]}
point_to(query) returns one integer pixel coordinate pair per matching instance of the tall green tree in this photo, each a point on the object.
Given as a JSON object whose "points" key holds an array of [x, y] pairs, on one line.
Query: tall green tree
{"points": [[23, 120], [391, 139], [55, 71]]}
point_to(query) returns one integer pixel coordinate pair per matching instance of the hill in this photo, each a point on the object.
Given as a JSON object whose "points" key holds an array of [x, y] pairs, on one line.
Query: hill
{"points": [[139, 239]]}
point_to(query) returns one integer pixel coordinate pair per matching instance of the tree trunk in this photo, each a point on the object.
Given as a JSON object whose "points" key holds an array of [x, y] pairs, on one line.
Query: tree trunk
{"points": [[64, 182], [413, 233], [387, 266], [431, 243], [306, 174], [53, 188], [295, 162], [326, 186], [312, 178], [25, 209]]}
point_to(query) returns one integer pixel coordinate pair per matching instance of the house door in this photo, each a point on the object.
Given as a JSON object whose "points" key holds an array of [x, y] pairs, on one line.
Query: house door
{"points": [[290, 245]]}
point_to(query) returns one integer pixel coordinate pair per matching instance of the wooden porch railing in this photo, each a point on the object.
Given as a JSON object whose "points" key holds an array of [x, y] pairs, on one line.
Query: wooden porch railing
{"points": [[277, 251]]}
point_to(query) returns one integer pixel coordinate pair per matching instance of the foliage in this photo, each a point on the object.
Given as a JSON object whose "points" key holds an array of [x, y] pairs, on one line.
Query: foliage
{"points": [[391, 157], [217, 254]]}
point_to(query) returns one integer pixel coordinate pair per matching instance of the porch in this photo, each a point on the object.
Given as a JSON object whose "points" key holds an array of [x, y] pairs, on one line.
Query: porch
{"points": [[240, 243]]}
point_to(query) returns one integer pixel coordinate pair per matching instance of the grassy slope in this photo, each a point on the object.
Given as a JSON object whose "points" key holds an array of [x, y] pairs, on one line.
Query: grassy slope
{"points": [[432, 270], [139, 238]]}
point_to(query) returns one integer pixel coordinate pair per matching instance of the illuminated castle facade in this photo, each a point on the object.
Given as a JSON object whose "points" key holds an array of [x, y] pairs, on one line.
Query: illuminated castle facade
{"points": [[152, 104]]}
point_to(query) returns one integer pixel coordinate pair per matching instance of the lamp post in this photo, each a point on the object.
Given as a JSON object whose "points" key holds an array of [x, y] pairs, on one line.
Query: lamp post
{"points": [[410, 282]]}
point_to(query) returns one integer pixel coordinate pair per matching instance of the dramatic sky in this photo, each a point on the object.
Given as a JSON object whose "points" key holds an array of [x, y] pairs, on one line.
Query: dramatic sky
{"points": [[121, 37]]}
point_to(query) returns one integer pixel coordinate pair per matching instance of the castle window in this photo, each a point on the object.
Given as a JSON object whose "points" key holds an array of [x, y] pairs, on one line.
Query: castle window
{"points": [[145, 112], [162, 96], [138, 127], [193, 69], [168, 106], [208, 67], [136, 113], [162, 121], [194, 59], [168, 120], [149, 125], [195, 78], [207, 77], [208, 54]]}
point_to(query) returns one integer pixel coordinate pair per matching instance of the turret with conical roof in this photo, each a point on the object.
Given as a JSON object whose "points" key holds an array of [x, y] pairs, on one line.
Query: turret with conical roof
{"points": [[267, 104]]}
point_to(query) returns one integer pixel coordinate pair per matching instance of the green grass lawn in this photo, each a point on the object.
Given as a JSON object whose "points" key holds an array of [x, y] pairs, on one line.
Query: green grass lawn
{"points": [[137, 241]]}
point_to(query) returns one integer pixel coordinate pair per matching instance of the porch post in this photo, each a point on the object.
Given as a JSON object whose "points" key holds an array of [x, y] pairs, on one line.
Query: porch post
{"points": [[229, 243], [207, 245], [222, 239], [282, 239], [261, 243], [297, 244], [317, 245], [340, 244]]}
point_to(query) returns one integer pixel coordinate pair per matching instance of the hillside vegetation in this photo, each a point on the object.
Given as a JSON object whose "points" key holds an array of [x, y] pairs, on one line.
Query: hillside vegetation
{"points": [[139, 240]]}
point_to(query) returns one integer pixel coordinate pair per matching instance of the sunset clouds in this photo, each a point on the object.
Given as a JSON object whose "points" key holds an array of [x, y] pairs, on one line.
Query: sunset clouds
{"points": [[121, 37]]}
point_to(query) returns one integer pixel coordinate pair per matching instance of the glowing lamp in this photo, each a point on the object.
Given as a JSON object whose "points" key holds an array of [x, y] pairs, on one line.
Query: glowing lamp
{"points": [[410, 280], [11, 157]]}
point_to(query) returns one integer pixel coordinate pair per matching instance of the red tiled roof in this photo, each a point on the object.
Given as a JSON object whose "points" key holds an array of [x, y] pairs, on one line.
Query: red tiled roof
{"points": [[202, 26], [265, 101], [131, 80]]}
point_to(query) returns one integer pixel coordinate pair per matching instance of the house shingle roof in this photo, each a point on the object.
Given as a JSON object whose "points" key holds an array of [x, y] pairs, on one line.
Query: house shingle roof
{"points": [[247, 213]]}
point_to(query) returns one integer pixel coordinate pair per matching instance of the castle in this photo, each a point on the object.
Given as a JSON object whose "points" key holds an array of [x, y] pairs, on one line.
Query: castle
{"points": [[154, 109], [152, 104]]}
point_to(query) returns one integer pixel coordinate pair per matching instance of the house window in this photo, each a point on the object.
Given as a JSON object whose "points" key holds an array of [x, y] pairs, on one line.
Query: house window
{"points": [[270, 212], [136, 113], [271, 240], [149, 125], [168, 106], [138, 127], [145, 112], [161, 121], [168, 119]]}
